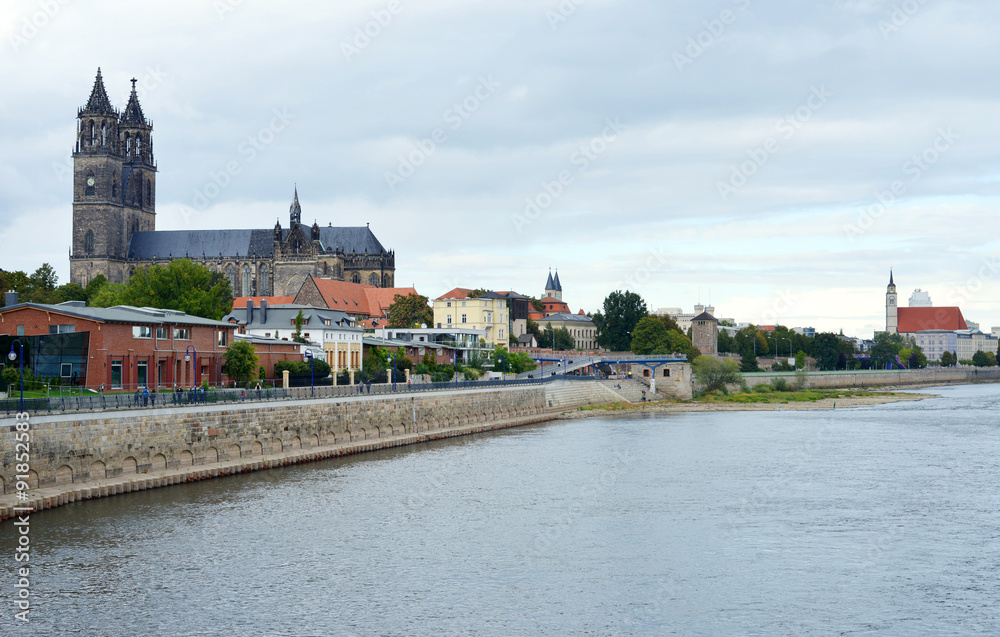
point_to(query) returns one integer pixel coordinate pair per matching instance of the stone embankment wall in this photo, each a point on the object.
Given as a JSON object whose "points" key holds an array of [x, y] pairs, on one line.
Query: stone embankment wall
{"points": [[95, 447], [929, 376]]}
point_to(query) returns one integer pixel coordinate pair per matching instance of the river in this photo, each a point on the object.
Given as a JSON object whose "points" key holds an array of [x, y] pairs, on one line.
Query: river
{"points": [[870, 521]]}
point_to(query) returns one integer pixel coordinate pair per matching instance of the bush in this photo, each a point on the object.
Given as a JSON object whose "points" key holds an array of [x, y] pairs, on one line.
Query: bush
{"points": [[801, 379], [762, 388], [780, 384]]}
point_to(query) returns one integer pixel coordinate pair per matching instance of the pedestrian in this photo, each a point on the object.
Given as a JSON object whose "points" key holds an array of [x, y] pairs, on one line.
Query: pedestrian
{"points": [[368, 385], [243, 394], [137, 396], [152, 398], [258, 391], [145, 396]]}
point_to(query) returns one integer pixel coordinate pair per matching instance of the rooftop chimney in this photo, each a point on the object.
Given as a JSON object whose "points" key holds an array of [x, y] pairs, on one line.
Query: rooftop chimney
{"points": [[249, 311], [10, 299], [263, 311]]}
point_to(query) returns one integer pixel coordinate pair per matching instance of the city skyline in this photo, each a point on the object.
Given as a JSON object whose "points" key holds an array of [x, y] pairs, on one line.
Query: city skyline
{"points": [[783, 158]]}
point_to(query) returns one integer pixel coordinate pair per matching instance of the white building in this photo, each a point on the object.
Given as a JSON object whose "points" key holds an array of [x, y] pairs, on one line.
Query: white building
{"points": [[968, 342], [919, 298]]}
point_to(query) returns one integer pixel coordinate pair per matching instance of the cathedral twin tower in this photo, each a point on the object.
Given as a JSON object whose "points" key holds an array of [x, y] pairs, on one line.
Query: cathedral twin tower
{"points": [[114, 220]]}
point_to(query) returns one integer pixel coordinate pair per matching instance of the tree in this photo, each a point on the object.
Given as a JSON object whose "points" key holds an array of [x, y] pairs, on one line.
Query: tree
{"points": [[410, 311], [751, 340], [478, 292], [984, 359], [240, 361], [69, 292], [94, 285], [538, 305], [651, 337], [562, 340], [884, 351], [948, 359], [713, 374], [748, 362], [42, 283], [916, 358], [622, 312], [826, 351], [800, 360], [183, 285], [726, 342], [300, 318], [107, 295], [533, 328]]}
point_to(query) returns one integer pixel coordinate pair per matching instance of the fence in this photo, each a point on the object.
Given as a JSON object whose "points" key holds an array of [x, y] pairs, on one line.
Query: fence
{"points": [[162, 400]]}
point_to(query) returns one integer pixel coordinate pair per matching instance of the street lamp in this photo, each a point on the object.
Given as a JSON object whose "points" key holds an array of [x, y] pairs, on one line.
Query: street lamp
{"points": [[312, 378], [394, 369], [790, 355], [20, 362], [187, 358]]}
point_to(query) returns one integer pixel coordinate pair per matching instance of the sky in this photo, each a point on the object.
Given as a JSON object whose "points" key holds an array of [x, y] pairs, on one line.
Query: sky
{"points": [[774, 159]]}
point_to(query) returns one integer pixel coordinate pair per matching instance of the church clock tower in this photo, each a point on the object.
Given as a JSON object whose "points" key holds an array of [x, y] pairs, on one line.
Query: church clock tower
{"points": [[114, 185], [891, 308]]}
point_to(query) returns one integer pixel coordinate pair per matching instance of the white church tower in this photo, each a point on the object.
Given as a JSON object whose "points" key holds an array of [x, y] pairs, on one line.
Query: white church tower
{"points": [[891, 308]]}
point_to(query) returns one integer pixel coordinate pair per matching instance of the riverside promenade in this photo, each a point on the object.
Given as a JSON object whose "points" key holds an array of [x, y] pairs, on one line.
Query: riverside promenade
{"points": [[75, 457]]}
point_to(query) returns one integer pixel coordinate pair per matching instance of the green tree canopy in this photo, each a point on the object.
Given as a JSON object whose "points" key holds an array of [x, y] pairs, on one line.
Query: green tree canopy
{"points": [[748, 362], [622, 312], [652, 337], [240, 361], [183, 285], [984, 359], [826, 351], [713, 374], [410, 311], [884, 350], [948, 359]]}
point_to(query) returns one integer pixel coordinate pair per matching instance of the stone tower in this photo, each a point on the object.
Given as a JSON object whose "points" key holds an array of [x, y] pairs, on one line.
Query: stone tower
{"points": [[891, 307], [705, 334], [553, 287], [114, 185]]}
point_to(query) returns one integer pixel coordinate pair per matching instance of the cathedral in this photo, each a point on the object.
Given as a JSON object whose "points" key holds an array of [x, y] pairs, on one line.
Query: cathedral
{"points": [[114, 220]]}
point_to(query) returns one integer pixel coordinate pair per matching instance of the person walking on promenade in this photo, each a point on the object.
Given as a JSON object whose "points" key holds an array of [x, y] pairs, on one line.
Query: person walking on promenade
{"points": [[145, 396], [137, 397], [368, 385], [258, 391]]}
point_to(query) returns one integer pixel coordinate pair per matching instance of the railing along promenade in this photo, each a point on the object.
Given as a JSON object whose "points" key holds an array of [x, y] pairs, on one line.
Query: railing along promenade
{"points": [[192, 397]]}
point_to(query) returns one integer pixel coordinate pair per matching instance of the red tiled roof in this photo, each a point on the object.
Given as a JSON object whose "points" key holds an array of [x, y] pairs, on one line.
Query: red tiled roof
{"points": [[358, 299], [241, 301], [917, 319], [457, 293]]}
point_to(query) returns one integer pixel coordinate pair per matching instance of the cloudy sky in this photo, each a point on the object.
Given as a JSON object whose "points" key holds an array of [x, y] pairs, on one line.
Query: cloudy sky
{"points": [[776, 158]]}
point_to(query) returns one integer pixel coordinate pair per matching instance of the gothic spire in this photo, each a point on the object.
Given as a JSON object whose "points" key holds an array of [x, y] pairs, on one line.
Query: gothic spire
{"points": [[132, 116], [555, 281], [99, 102], [890, 277], [295, 211], [549, 285]]}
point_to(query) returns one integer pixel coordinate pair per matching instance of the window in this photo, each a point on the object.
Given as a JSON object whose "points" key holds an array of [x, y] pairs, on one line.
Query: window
{"points": [[355, 278], [448, 319], [373, 279], [142, 373], [182, 333], [142, 331], [114, 187], [62, 329], [223, 335], [66, 370], [88, 242], [447, 304], [264, 287], [116, 374], [162, 332], [463, 303], [20, 330], [247, 281], [231, 276], [464, 319]]}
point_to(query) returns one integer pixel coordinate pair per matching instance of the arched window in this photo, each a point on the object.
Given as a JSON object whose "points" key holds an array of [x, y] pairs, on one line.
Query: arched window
{"points": [[88, 242], [149, 191], [373, 279], [355, 278], [92, 135], [247, 281], [264, 281], [138, 192], [104, 133], [386, 283], [114, 186], [138, 145], [231, 276], [128, 145]]}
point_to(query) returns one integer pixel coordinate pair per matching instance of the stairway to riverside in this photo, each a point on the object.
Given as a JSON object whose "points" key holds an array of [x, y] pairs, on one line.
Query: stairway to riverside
{"points": [[631, 390], [573, 394]]}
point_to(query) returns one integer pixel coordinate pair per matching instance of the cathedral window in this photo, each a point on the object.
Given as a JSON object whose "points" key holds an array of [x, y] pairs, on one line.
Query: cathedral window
{"points": [[355, 278], [231, 276], [149, 191], [386, 283], [91, 140], [264, 280], [88, 242], [114, 187], [128, 145], [373, 279], [247, 281], [104, 133]]}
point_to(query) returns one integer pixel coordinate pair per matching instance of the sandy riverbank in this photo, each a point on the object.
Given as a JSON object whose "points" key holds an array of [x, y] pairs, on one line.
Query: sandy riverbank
{"points": [[692, 406]]}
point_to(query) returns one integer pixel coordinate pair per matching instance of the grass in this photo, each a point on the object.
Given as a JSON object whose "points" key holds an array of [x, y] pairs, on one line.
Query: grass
{"points": [[804, 395]]}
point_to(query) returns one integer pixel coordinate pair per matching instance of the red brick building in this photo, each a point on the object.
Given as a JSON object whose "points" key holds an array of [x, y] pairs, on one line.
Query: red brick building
{"points": [[119, 347]]}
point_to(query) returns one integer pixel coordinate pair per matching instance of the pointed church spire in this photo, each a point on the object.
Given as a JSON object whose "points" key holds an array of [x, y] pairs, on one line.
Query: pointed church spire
{"points": [[890, 277], [99, 102], [555, 281], [549, 285], [133, 112], [295, 211]]}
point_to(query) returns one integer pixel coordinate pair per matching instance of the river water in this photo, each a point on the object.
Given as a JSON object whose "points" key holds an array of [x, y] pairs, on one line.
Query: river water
{"points": [[873, 521]]}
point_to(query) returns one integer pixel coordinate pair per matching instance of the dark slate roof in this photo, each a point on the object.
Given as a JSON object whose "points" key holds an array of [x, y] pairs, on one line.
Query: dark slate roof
{"points": [[556, 282], [566, 317], [705, 316], [123, 314], [549, 285], [99, 102], [195, 243], [230, 243]]}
